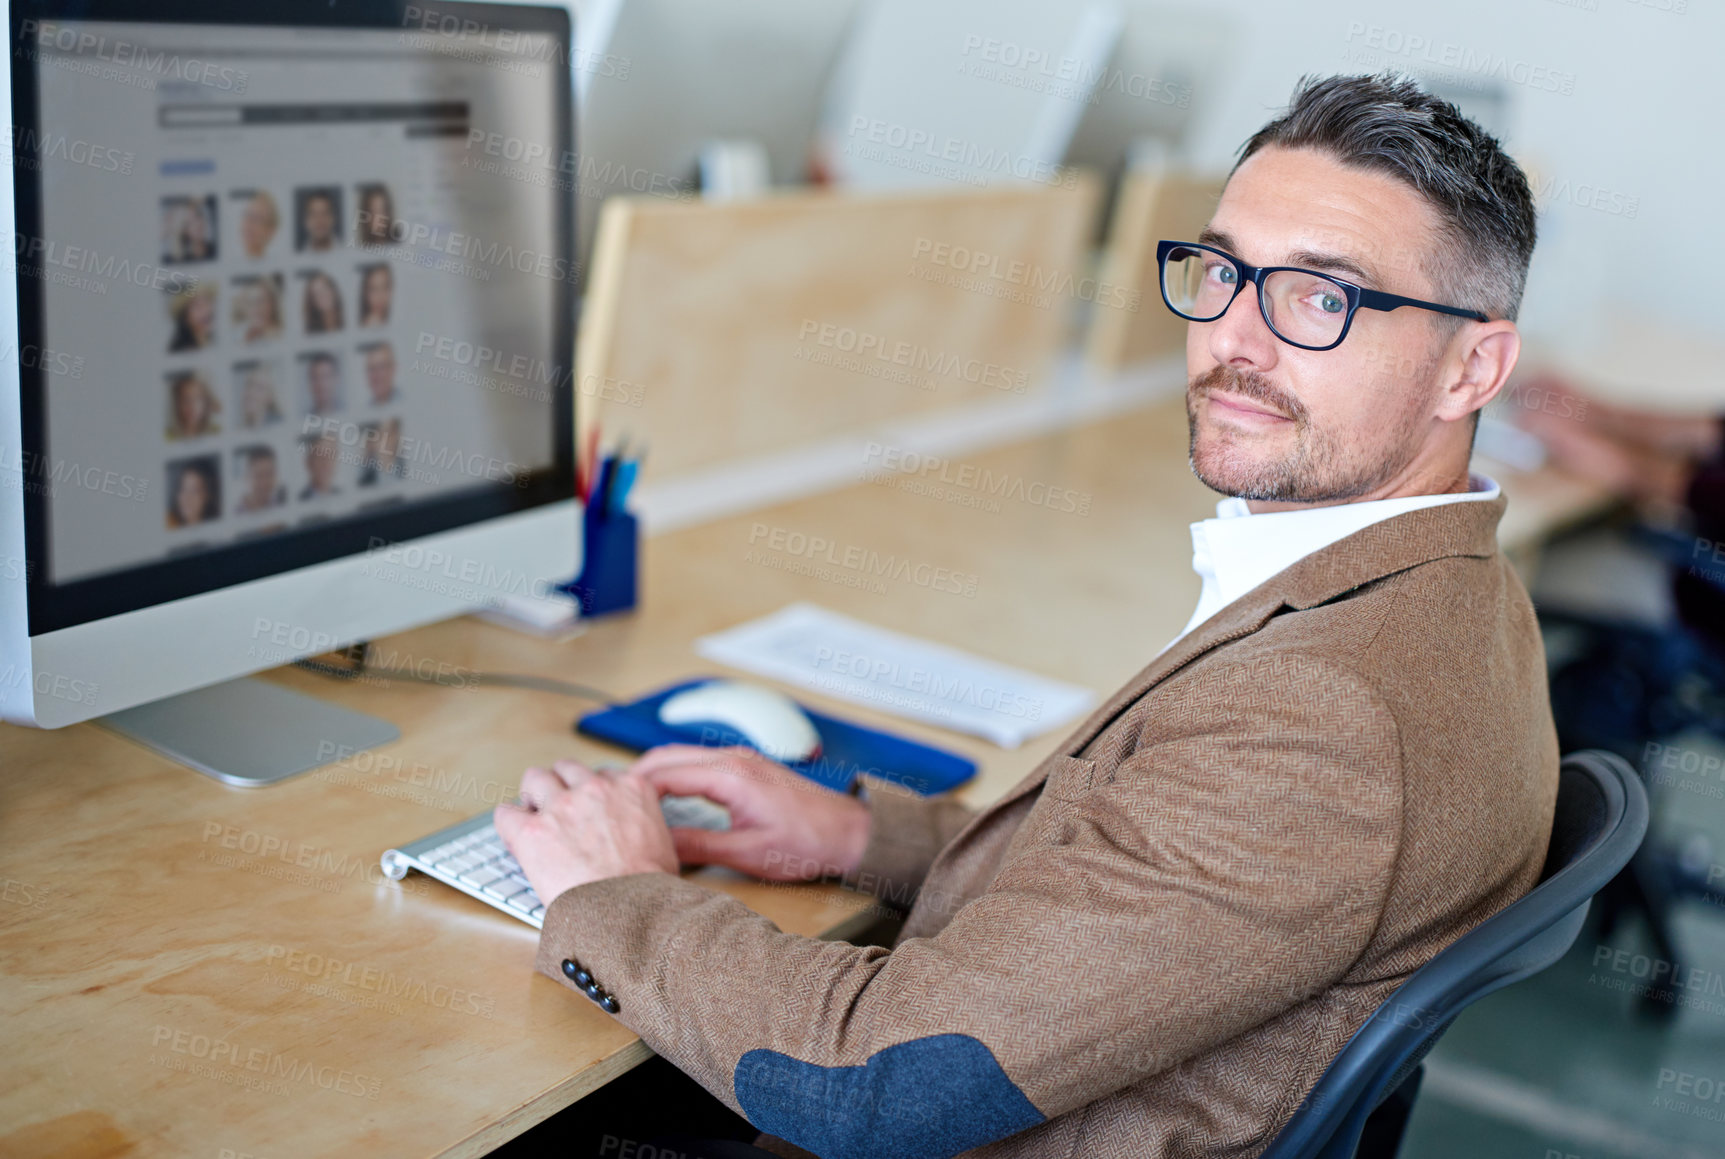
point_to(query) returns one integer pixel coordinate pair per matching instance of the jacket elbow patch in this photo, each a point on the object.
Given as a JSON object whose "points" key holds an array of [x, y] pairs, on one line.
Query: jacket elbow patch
{"points": [[933, 1096]]}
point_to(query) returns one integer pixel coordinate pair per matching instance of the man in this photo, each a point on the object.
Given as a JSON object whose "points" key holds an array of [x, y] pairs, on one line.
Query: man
{"points": [[380, 372], [318, 215], [264, 488], [323, 382], [1156, 942], [322, 456], [381, 454]]}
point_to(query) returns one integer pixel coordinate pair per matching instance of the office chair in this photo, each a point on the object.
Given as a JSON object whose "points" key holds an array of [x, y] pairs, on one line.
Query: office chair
{"points": [[1361, 1103]]}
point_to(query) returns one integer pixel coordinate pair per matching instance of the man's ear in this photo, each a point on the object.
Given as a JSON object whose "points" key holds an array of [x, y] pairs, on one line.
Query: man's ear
{"points": [[1481, 359]]}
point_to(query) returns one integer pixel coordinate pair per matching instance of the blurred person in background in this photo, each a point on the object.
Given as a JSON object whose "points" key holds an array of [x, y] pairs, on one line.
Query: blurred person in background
{"points": [[1620, 680], [1671, 466]]}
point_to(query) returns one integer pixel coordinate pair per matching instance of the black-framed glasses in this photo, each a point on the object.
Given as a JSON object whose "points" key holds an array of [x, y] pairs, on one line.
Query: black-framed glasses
{"points": [[1302, 307]]}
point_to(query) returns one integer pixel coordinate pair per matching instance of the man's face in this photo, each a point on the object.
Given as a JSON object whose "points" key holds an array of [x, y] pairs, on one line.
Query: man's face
{"points": [[380, 372], [261, 472], [1273, 422], [322, 372], [319, 222], [320, 461]]}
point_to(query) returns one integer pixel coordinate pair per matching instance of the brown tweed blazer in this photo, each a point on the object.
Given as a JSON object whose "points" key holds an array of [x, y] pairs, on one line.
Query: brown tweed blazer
{"points": [[1155, 943]]}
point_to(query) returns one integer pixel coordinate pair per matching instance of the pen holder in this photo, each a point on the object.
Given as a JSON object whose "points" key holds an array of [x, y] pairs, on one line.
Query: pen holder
{"points": [[610, 543]]}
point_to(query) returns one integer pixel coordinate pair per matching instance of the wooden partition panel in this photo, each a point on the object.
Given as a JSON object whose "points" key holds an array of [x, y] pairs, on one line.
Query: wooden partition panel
{"points": [[1150, 207], [724, 331]]}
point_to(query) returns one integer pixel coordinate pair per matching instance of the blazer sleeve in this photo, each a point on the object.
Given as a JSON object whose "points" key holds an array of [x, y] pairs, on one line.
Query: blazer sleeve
{"points": [[1235, 865], [906, 831]]}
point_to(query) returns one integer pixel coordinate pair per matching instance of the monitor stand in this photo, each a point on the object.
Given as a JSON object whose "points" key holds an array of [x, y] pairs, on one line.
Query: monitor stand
{"points": [[250, 732]]}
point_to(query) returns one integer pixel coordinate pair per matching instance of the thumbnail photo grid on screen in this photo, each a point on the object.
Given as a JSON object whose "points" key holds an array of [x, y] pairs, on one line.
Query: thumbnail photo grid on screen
{"points": [[279, 382]]}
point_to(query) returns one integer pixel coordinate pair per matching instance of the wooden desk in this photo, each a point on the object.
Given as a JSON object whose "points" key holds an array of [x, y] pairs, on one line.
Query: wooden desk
{"points": [[165, 941]]}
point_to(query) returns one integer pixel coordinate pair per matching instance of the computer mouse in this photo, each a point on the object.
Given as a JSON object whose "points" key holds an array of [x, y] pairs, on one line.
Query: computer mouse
{"points": [[770, 721]]}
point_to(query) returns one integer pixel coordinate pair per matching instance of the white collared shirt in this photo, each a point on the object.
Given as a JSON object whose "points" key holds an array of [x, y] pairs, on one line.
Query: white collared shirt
{"points": [[1236, 551]]}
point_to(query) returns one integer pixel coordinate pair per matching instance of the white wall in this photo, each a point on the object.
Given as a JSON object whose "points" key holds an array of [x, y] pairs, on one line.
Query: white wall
{"points": [[1639, 131]]}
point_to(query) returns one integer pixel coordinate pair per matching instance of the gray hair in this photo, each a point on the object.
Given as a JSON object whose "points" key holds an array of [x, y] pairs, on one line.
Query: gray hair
{"points": [[1388, 124]]}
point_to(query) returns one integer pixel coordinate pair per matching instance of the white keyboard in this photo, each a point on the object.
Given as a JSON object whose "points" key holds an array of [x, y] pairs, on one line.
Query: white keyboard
{"points": [[470, 856]]}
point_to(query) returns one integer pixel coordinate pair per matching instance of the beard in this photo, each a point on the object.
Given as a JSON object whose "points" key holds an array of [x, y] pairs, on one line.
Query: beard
{"points": [[1321, 465]]}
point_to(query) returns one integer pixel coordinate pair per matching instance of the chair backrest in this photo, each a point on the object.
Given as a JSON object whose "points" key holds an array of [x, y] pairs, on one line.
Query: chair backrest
{"points": [[1600, 819]]}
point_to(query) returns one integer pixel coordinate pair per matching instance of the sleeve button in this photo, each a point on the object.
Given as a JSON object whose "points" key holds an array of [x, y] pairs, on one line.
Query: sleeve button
{"points": [[609, 1004], [570, 969], [582, 978]]}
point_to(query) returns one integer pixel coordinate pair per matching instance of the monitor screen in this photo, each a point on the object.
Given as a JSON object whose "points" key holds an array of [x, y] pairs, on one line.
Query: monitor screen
{"points": [[287, 291]]}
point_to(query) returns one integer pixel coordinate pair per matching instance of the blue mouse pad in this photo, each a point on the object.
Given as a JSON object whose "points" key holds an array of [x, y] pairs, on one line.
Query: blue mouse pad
{"points": [[847, 750]]}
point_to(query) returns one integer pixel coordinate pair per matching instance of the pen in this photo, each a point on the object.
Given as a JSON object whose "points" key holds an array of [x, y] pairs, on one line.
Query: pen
{"points": [[599, 495], [632, 474], [625, 480], [586, 464]]}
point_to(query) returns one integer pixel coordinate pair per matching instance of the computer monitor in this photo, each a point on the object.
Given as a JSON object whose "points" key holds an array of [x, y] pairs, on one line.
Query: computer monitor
{"points": [[288, 346]]}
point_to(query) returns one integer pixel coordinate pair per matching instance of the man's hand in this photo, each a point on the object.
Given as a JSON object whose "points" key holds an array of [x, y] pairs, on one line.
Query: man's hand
{"points": [[575, 825], [784, 827], [1644, 455]]}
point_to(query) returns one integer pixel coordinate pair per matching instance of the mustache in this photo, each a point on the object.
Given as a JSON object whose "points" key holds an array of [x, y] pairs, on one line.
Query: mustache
{"points": [[1249, 384]]}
